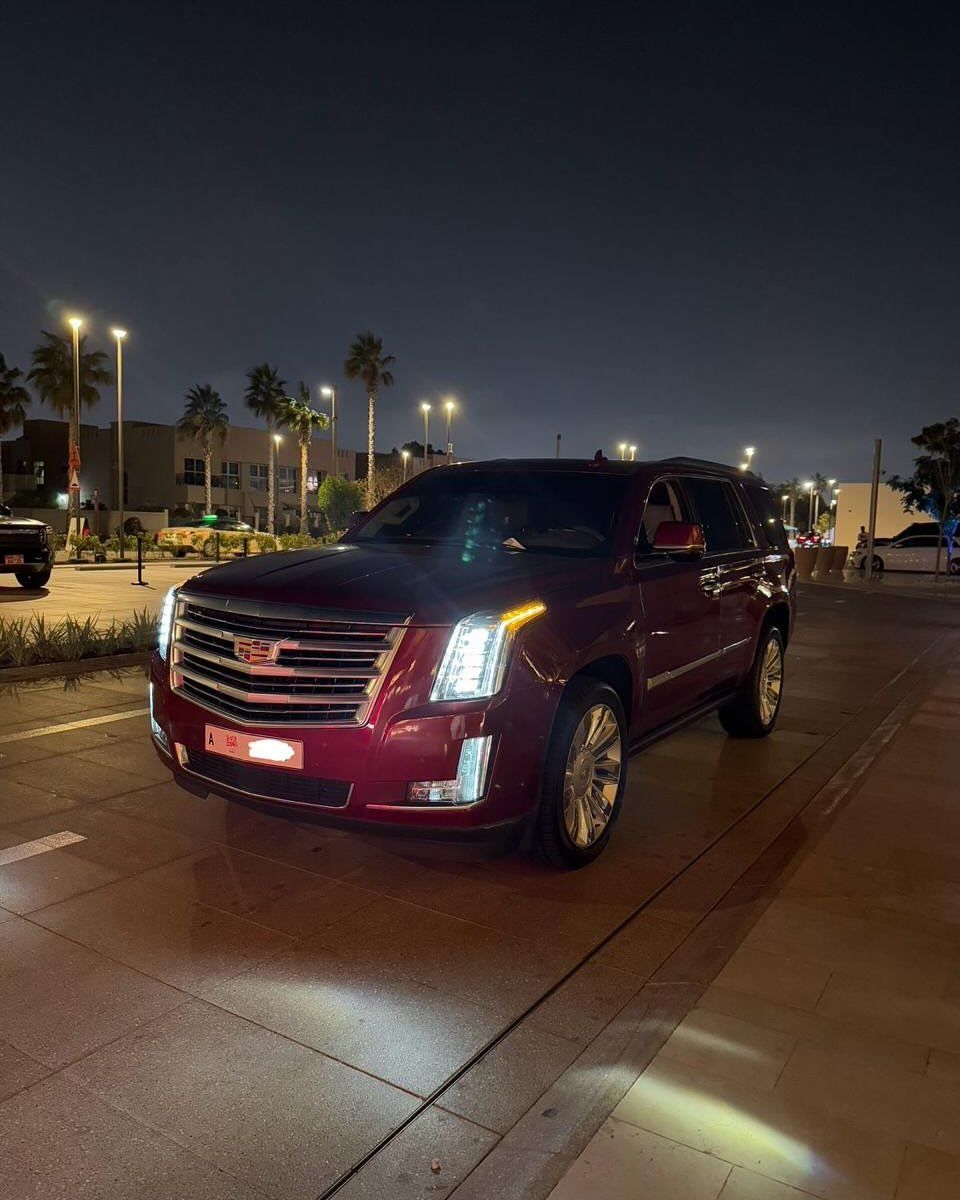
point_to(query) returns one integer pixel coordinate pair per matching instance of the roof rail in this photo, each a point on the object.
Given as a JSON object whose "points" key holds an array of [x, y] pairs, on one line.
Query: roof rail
{"points": [[705, 462]]}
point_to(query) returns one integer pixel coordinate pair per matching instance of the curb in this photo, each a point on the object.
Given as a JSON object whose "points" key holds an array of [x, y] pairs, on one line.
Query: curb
{"points": [[79, 666]]}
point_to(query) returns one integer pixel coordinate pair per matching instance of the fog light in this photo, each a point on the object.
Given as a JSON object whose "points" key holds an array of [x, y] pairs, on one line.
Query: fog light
{"points": [[469, 785], [155, 728]]}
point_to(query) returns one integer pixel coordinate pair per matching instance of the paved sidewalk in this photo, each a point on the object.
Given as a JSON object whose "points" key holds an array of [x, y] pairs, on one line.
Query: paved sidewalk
{"points": [[84, 592], [824, 1059]]}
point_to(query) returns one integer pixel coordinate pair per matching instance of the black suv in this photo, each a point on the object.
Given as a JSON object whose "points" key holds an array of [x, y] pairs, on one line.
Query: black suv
{"points": [[26, 549]]}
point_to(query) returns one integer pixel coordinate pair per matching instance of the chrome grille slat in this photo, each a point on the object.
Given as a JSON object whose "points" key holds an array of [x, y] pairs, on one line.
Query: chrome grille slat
{"points": [[327, 670]]}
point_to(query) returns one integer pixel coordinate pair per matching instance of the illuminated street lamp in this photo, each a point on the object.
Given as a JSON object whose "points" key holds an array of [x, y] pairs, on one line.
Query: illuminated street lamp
{"points": [[450, 405], [405, 455], [120, 334], [810, 485], [633, 454], [275, 515], [425, 409], [785, 500], [623, 451], [750, 451], [73, 456], [330, 393], [744, 466]]}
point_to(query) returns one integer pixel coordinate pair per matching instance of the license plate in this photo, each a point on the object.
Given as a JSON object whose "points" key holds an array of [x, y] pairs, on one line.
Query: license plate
{"points": [[268, 751], [13, 560]]}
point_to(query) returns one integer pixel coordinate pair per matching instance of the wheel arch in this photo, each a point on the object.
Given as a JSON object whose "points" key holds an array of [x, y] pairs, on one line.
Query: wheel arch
{"points": [[778, 616], [612, 669]]}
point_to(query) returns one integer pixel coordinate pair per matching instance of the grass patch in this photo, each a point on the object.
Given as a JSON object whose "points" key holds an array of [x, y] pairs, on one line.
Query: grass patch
{"points": [[27, 641]]}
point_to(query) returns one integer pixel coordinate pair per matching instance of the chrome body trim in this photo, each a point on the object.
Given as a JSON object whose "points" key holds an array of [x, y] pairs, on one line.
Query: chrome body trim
{"points": [[668, 676]]}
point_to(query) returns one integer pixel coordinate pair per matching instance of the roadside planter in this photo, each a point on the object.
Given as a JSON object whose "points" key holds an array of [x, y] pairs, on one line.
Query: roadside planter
{"points": [[823, 561], [805, 556], [840, 556]]}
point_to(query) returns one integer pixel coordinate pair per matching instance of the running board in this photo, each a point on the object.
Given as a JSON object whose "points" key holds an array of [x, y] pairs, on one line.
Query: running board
{"points": [[688, 718]]}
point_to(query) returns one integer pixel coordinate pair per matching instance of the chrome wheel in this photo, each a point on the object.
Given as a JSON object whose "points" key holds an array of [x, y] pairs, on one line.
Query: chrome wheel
{"points": [[770, 680], [591, 779]]}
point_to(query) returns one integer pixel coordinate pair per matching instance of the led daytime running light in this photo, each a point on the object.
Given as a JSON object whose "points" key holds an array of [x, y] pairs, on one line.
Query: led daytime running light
{"points": [[475, 660]]}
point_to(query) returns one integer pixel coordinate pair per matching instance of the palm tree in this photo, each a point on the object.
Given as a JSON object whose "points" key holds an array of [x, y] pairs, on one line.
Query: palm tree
{"points": [[14, 399], [205, 418], [368, 362], [52, 376], [299, 417], [791, 489], [266, 395]]}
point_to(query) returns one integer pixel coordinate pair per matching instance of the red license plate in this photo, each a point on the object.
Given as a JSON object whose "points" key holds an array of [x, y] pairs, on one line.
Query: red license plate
{"points": [[253, 748], [13, 560]]}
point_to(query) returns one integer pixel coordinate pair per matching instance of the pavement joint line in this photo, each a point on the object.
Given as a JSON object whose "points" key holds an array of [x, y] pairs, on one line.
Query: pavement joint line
{"points": [[52, 841], [66, 726]]}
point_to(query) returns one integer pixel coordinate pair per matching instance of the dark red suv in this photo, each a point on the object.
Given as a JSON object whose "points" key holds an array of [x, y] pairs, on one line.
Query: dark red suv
{"points": [[478, 655]]}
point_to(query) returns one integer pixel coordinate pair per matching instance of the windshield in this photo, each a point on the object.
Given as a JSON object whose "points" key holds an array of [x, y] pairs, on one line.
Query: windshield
{"points": [[539, 512]]}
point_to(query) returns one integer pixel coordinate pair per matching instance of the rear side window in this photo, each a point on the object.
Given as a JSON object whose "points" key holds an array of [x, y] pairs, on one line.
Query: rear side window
{"points": [[664, 503], [768, 518], [720, 513]]}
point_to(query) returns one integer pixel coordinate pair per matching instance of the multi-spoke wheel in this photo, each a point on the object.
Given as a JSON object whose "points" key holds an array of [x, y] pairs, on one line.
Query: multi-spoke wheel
{"points": [[584, 775], [753, 711]]}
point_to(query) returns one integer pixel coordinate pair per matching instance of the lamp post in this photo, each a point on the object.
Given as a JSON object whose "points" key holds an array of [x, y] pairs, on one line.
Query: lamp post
{"points": [[120, 334], [330, 393], [623, 450], [784, 499], [405, 455], [449, 406], [277, 439], [633, 454], [425, 409], [73, 457], [744, 466], [749, 452], [810, 485]]}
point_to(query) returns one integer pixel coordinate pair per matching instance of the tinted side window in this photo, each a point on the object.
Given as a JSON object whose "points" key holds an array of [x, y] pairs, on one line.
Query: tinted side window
{"points": [[769, 520], [720, 514], [664, 503]]}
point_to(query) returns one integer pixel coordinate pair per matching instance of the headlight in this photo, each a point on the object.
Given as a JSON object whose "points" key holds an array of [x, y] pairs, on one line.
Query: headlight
{"points": [[165, 622], [475, 660]]}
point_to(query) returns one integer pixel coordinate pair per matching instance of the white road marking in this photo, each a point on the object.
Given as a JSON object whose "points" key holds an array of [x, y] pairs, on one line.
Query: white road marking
{"points": [[53, 841], [83, 723]]}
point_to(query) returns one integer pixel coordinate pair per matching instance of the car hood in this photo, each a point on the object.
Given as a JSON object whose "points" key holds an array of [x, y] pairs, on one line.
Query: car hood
{"points": [[427, 585]]}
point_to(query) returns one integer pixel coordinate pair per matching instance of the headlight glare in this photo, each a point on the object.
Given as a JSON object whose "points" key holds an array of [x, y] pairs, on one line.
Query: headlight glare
{"points": [[165, 621], [475, 661]]}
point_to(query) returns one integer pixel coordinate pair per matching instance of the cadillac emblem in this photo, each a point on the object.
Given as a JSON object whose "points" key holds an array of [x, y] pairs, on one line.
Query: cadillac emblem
{"points": [[253, 651]]}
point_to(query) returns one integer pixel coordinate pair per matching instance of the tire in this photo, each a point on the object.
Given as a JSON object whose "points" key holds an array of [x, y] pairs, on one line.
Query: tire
{"points": [[748, 715], [568, 832], [33, 580], [954, 567], [878, 564]]}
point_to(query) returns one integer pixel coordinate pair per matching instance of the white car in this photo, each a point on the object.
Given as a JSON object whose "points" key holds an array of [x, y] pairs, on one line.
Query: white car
{"points": [[916, 553]]}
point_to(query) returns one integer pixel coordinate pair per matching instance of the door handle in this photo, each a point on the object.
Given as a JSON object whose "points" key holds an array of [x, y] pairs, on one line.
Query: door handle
{"points": [[710, 583]]}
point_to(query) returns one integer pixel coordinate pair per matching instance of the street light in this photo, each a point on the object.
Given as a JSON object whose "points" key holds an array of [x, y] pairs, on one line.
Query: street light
{"points": [[73, 456], [405, 455], [749, 452], [623, 451], [120, 334], [449, 406], [784, 499], [744, 466], [810, 485], [330, 393], [275, 515], [633, 454], [425, 409]]}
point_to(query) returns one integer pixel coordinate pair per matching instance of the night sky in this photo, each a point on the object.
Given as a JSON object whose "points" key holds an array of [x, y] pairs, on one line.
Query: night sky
{"points": [[695, 227]]}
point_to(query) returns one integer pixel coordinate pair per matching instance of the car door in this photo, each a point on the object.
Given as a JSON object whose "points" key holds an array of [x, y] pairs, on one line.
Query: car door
{"points": [[680, 607], [735, 559]]}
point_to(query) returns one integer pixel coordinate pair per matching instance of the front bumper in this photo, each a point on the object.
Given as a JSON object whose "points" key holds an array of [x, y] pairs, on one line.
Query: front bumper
{"points": [[375, 762]]}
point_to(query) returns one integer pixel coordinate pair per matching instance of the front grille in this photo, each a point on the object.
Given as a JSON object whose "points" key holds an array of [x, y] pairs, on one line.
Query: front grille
{"points": [[320, 669], [267, 783]]}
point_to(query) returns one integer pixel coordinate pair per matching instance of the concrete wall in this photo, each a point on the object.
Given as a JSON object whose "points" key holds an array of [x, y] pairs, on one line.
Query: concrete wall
{"points": [[108, 522], [853, 510]]}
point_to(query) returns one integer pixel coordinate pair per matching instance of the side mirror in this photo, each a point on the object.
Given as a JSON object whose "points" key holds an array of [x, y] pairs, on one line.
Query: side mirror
{"points": [[679, 537]]}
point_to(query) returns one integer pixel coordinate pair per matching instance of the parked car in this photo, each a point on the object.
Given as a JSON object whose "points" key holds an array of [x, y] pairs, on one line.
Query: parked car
{"points": [[26, 549], [480, 653], [917, 552], [811, 538], [196, 535]]}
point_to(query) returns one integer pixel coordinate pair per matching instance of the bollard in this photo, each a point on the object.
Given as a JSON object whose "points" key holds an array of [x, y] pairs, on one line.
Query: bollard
{"points": [[217, 543], [138, 582], [246, 542]]}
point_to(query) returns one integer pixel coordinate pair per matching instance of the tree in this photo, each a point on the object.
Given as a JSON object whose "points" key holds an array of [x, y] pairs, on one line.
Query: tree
{"points": [[792, 490], [298, 416], [367, 362], [338, 500], [934, 486], [205, 418], [14, 399], [266, 396]]}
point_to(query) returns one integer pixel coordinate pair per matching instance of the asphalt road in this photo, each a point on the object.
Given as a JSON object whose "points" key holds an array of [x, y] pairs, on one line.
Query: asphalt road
{"points": [[201, 1000]]}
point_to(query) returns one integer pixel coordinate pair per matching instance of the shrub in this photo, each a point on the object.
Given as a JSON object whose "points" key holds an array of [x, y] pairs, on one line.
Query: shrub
{"points": [[297, 541], [26, 641]]}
